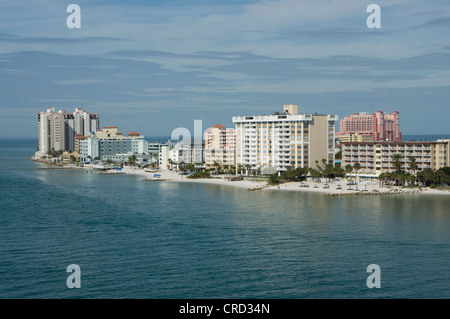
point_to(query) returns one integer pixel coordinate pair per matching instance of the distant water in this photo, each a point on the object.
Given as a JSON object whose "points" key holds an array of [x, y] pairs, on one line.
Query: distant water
{"points": [[136, 239], [429, 137]]}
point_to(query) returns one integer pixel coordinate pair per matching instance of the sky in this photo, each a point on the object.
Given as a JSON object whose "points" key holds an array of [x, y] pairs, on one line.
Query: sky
{"points": [[153, 66]]}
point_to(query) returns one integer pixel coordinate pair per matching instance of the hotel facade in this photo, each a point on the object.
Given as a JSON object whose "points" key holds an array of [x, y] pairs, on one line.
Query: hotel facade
{"points": [[285, 140], [378, 157], [220, 146], [109, 143], [379, 126], [57, 129], [190, 152]]}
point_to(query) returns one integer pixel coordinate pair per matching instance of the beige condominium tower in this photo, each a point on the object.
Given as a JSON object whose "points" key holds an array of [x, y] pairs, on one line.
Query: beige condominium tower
{"points": [[57, 129], [285, 139]]}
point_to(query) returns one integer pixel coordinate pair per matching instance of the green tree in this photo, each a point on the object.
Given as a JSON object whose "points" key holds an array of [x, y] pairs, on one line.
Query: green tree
{"points": [[132, 160], [348, 169], [413, 164], [190, 167], [397, 161], [357, 167], [217, 167], [273, 179], [314, 173], [248, 167]]}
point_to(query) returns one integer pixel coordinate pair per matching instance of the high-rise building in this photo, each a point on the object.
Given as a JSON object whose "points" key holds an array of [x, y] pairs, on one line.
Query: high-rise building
{"points": [[58, 129], [286, 139], [381, 126], [220, 146]]}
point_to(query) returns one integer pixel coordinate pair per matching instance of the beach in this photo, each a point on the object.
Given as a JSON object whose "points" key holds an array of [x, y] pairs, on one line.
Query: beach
{"points": [[334, 188]]}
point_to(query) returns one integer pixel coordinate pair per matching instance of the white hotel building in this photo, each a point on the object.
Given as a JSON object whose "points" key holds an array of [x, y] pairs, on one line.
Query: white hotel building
{"points": [[284, 140]]}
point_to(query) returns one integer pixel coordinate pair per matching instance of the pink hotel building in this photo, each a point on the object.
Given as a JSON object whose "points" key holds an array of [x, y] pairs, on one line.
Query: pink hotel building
{"points": [[383, 127]]}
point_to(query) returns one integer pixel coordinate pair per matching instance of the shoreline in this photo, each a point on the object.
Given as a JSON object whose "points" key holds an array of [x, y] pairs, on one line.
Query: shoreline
{"points": [[262, 185], [363, 189]]}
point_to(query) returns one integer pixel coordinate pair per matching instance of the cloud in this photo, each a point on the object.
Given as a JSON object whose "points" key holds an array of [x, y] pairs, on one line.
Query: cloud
{"points": [[152, 57], [54, 40], [443, 22]]}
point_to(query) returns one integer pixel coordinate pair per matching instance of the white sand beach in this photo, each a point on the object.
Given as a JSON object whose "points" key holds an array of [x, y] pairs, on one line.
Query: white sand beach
{"points": [[334, 188], [166, 175]]}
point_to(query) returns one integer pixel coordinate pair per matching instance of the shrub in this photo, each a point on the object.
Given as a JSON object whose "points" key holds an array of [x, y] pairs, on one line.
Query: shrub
{"points": [[433, 185], [273, 179], [200, 175]]}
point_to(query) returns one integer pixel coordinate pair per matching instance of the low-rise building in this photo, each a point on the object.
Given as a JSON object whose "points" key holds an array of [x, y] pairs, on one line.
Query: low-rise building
{"points": [[378, 157], [355, 137], [173, 153], [108, 143]]}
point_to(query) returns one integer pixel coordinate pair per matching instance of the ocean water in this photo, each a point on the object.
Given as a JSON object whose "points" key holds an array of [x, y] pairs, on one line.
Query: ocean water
{"points": [[136, 239], [429, 137]]}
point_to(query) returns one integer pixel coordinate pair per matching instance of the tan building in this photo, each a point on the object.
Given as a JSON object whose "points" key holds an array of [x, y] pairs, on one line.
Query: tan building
{"points": [[284, 140], [76, 144], [220, 146], [112, 133], [355, 137], [377, 157]]}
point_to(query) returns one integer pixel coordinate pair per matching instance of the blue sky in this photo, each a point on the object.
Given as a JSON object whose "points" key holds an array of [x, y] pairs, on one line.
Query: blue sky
{"points": [[153, 66]]}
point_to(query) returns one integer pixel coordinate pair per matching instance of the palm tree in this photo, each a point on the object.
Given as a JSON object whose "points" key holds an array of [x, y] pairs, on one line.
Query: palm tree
{"points": [[324, 163], [440, 175], [397, 160], [357, 167], [348, 169], [217, 166], [248, 166], [181, 166], [314, 174], [381, 178], [132, 160], [327, 172], [190, 167], [413, 164]]}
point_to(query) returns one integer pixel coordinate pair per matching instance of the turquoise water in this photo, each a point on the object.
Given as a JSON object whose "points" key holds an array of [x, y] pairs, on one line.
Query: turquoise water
{"points": [[136, 239]]}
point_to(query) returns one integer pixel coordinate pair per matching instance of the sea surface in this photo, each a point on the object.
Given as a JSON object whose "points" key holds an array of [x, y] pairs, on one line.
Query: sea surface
{"points": [[137, 239]]}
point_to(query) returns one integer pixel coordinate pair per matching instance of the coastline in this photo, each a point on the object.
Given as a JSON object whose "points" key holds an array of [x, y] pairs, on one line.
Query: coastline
{"points": [[364, 189], [252, 185]]}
